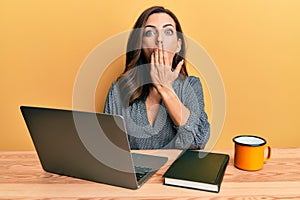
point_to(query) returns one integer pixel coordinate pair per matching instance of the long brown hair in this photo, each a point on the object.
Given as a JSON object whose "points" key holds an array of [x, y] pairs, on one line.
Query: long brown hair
{"points": [[135, 82]]}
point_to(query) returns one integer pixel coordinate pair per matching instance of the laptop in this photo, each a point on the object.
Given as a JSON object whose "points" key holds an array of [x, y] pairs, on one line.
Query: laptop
{"points": [[89, 146]]}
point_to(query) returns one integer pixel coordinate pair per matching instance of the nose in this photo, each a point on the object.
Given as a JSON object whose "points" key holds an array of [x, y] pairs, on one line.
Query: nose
{"points": [[159, 37]]}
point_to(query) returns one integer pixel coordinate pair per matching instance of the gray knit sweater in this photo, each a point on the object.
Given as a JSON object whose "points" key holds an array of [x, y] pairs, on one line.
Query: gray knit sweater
{"points": [[194, 134]]}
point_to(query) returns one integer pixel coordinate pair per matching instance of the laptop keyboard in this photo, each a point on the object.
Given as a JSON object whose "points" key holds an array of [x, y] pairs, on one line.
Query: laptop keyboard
{"points": [[141, 171]]}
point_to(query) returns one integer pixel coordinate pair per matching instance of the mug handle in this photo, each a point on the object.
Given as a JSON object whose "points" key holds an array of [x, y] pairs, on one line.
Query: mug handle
{"points": [[269, 152]]}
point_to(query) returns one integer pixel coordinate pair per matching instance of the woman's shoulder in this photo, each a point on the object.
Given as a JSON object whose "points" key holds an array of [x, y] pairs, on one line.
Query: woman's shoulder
{"points": [[187, 84], [114, 88], [114, 85], [191, 81]]}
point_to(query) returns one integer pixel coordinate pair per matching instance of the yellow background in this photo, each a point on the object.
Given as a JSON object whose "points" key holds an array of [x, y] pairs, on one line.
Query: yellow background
{"points": [[255, 44]]}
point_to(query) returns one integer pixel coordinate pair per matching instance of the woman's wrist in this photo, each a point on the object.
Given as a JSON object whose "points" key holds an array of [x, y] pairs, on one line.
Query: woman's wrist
{"points": [[165, 92]]}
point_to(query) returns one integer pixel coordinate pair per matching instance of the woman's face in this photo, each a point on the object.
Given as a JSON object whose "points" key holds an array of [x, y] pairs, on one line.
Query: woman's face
{"points": [[160, 27]]}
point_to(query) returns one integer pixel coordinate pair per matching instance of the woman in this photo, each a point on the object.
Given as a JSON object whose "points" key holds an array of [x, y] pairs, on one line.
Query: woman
{"points": [[162, 106]]}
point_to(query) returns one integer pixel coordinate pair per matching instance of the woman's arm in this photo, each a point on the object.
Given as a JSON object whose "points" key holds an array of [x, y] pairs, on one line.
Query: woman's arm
{"points": [[193, 128], [187, 113], [177, 111], [195, 133], [163, 77]]}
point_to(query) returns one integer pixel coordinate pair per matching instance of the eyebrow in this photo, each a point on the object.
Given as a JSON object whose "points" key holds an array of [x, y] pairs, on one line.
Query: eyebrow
{"points": [[164, 26], [167, 25]]}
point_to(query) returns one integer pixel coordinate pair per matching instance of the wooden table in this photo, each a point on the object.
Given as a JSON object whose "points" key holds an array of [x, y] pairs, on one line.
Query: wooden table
{"points": [[21, 177]]}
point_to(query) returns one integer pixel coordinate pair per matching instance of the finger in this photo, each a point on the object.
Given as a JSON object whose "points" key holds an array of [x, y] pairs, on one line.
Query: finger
{"points": [[153, 68], [155, 56], [179, 66], [153, 62], [160, 51], [166, 58], [152, 58]]}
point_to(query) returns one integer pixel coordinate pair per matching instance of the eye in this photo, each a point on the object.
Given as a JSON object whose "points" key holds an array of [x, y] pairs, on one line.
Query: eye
{"points": [[149, 33], [169, 32]]}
